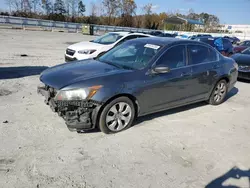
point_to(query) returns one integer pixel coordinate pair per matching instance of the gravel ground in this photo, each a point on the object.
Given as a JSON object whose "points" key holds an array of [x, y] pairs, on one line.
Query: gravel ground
{"points": [[184, 147]]}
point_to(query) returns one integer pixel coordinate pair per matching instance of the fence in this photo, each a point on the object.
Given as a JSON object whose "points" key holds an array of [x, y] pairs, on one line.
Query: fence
{"points": [[28, 23]]}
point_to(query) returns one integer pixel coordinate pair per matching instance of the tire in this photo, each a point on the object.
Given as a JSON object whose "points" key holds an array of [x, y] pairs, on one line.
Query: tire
{"points": [[219, 93], [118, 115]]}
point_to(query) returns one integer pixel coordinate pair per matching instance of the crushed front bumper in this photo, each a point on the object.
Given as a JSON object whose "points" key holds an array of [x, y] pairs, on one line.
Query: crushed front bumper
{"points": [[78, 115], [244, 74]]}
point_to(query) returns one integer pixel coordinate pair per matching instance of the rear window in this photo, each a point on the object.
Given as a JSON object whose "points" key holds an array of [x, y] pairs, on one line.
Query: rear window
{"points": [[201, 54]]}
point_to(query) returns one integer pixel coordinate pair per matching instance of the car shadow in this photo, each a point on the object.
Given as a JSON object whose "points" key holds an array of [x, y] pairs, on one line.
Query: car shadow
{"points": [[168, 112], [19, 72], [232, 93], [70, 43], [235, 173], [139, 120]]}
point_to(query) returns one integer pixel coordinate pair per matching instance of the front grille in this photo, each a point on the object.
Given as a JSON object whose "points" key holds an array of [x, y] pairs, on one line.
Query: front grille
{"points": [[244, 75], [70, 52]]}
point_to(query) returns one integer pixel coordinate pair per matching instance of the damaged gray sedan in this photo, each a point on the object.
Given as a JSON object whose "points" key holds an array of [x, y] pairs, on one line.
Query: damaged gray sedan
{"points": [[136, 78]]}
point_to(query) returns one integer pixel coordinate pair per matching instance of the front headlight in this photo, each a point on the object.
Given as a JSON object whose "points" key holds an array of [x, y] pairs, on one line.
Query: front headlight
{"points": [[86, 51], [77, 94]]}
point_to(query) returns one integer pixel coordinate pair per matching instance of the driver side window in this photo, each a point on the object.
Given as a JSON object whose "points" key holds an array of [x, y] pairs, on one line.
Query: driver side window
{"points": [[174, 57]]}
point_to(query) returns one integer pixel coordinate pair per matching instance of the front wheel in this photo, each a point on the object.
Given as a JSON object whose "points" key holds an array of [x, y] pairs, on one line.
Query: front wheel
{"points": [[117, 115], [219, 93]]}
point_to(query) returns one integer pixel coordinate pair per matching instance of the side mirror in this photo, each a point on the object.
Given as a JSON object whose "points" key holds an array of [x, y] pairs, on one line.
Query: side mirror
{"points": [[161, 69]]}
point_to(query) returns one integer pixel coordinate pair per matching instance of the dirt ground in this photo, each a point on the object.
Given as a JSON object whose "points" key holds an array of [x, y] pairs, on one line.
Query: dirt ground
{"points": [[189, 147]]}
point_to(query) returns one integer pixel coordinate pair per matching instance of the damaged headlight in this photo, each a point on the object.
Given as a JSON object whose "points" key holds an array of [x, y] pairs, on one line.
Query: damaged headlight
{"points": [[77, 94]]}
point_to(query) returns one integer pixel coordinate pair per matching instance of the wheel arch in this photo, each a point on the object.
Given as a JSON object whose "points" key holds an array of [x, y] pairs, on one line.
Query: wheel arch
{"points": [[223, 77]]}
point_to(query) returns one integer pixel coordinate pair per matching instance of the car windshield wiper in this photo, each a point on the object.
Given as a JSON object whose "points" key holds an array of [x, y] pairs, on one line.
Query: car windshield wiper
{"points": [[127, 67]]}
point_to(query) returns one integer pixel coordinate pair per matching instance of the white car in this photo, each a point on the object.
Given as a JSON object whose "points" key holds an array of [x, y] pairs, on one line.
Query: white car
{"points": [[94, 48]]}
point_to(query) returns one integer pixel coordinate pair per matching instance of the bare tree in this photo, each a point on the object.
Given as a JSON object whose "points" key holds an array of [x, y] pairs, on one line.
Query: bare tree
{"points": [[15, 5], [72, 7], [127, 9], [47, 6], [111, 8], [34, 4], [93, 9], [147, 11]]}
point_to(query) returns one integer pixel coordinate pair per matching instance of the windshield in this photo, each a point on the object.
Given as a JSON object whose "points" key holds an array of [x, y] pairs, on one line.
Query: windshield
{"points": [[109, 38], [246, 51], [131, 55]]}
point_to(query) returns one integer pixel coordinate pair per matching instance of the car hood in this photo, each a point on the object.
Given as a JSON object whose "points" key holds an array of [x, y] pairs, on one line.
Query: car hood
{"points": [[85, 46], [66, 74], [241, 59]]}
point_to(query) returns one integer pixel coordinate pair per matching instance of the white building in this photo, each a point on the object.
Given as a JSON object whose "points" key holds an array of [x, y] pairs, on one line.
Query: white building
{"points": [[245, 29]]}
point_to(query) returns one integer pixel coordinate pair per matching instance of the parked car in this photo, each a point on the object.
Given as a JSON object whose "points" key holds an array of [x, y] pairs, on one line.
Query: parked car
{"points": [[137, 78], [242, 46], [156, 33], [167, 35], [182, 37], [199, 35], [228, 47], [233, 40], [98, 46], [243, 60]]}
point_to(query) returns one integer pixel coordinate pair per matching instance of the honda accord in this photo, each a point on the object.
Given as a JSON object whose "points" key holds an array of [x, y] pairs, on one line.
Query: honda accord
{"points": [[136, 78]]}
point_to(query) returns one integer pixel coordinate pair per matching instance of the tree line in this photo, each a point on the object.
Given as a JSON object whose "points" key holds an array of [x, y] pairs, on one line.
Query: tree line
{"points": [[107, 12]]}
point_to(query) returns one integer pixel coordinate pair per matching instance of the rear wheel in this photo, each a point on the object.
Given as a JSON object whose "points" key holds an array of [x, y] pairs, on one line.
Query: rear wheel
{"points": [[117, 116], [219, 93]]}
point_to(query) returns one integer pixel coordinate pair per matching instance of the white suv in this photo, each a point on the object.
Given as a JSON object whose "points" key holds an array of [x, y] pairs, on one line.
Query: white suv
{"points": [[94, 48]]}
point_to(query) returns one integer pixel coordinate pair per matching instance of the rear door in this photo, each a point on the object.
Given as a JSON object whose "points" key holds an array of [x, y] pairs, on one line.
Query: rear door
{"points": [[205, 65]]}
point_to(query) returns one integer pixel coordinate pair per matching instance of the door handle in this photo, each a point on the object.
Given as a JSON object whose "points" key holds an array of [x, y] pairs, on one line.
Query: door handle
{"points": [[216, 66], [184, 74]]}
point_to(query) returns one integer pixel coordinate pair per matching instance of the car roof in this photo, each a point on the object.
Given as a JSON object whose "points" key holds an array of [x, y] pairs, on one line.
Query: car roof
{"points": [[124, 33], [205, 37], [140, 34], [165, 41]]}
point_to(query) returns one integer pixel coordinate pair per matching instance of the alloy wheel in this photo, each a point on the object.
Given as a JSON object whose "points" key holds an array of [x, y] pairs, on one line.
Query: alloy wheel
{"points": [[220, 92], [118, 116]]}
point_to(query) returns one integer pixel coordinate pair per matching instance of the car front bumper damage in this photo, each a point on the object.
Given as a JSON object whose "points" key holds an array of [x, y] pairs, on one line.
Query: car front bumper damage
{"points": [[78, 115], [244, 72]]}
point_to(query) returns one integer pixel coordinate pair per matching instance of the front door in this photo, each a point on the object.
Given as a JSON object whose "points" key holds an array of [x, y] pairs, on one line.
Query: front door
{"points": [[169, 89]]}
